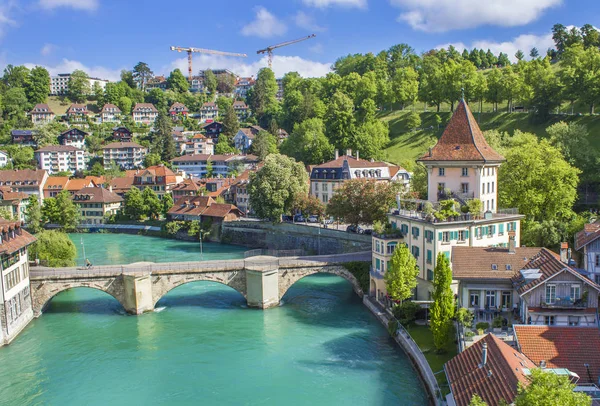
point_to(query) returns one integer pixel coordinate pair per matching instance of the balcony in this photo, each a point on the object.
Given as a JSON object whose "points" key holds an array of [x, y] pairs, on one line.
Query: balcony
{"points": [[566, 303]]}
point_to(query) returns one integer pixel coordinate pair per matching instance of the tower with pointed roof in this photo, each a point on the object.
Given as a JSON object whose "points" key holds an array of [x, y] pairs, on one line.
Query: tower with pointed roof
{"points": [[462, 164]]}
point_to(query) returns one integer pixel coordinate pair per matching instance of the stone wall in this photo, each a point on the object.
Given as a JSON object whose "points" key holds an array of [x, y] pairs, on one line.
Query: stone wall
{"points": [[288, 277], [286, 236], [10, 329]]}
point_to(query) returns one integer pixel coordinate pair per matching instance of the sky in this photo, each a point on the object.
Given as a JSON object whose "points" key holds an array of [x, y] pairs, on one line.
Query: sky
{"points": [[103, 37]]}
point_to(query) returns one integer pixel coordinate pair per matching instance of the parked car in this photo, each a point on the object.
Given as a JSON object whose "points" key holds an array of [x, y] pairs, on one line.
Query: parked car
{"points": [[328, 221], [299, 218], [354, 229], [367, 231], [313, 219], [287, 219]]}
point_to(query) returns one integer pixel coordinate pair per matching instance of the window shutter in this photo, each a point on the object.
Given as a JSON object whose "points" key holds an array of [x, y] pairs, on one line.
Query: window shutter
{"points": [[467, 235], [494, 229], [440, 236], [501, 228], [514, 226]]}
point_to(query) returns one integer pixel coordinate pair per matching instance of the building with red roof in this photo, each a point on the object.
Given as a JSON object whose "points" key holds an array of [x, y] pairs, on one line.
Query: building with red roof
{"points": [[200, 208], [159, 178], [587, 241]]}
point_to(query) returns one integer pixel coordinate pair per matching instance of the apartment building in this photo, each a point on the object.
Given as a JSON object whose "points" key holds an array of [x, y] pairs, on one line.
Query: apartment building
{"points": [[209, 111], [77, 113], [222, 165], [59, 84], [241, 110], [60, 158], [96, 203], [242, 85], [244, 138], [144, 113], [29, 181], [178, 109], [127, 155], [199, 144], [4, 159]]}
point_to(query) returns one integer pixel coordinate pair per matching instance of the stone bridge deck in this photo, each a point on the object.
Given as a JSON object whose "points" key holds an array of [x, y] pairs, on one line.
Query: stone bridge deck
{"points": [[139, 286]]}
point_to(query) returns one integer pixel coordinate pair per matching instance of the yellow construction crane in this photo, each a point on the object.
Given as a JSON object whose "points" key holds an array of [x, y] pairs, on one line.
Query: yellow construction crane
{"points": [[202, 51], [269, 50]]}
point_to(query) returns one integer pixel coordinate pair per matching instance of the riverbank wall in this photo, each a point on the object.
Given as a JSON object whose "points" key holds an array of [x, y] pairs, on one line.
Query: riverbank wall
{"points": [[286, 236], [405, 341]]}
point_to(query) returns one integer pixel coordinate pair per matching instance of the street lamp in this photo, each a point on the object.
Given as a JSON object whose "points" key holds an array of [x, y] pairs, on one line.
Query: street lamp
{"points": [[201, 252], [83, 248]]}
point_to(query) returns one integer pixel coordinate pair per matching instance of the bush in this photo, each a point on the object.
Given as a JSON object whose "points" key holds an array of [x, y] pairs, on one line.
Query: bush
{"points": [[482, 325], [392, 327], [497, 322], [465, 317], [360, 270], [406, 313], [53, 248]]}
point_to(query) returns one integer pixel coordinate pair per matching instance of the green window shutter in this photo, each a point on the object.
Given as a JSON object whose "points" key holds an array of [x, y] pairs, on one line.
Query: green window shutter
{"points": [[428, 255], [418, 232], [501, 228], [494, 229], [447, 254], [514, 225], [440, 236], [467, 235], [393, 225], [377, 264]]}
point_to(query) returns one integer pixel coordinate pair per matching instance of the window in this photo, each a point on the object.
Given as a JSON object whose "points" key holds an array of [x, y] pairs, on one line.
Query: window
{"points": [[575, 292], [506, 299], [474, 298], [429, 275], [483, 188], [415, 232], [463, 235], [550, 294], [324, 187], [492, 187], [316, 187], [376, 245], [325, 198], [508, 267], [465, 172], [429, 257], [488, 187], [442, 171], [573, 320], [501, 229], [464, 188], [391, 246], [415, 251], [441, 186], [490, 298], [494, 267], [445, 236], [549, 320], [597, 259], [377, 264]]}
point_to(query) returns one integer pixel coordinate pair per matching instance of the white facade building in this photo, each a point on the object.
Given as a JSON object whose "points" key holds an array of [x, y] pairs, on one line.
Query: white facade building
{"points": [[4, 159], [59, 84], [144, 113], [222, 165], [127, 155], [60, 158]]}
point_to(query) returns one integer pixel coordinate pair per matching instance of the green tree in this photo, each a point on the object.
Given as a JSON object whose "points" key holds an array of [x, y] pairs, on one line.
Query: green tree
{"points": [[543, 86], [210, 81], [177, 82], [223, 146], [79, 86], [16, 76], [401, 274], [274, 187], [167, 203], [362, 201], [442, 308], [591, 36], [33, 215], [494, 93], [69, 213], [15, 103], [128, 80], [405, 86], [572, 140], [534, 53], [50, 211], [53, 248], [414, 121], [162, 138], [231, 124], [134, 206], [39, 85], [6, 214], [263, 99], [141, 74], [152, 159], [418, 182], [264, 144], [519, 55], [158, 98], [47, 135], [22, 157], [477, 401], [548, 389], [431, 90], [152, 203], [124, 103], [580, 74], [307, 143], [339, 121], [370, 139]]}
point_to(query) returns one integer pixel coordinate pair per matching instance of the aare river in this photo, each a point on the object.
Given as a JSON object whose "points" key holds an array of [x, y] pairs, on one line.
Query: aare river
{"points": [[202, 346]]}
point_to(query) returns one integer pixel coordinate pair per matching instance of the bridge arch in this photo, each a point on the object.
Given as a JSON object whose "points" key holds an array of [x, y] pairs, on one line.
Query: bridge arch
{"points": [[44, 292], [163, 284], [288, 277]]}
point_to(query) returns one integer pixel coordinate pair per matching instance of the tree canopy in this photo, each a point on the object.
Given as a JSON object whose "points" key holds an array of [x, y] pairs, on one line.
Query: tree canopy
{"points": [[401, 274]]}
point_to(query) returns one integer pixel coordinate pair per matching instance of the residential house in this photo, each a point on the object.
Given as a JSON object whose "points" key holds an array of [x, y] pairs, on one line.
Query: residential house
{"points": [[199, 144], [178, 109], [41, 114], [489, 368], [327, 177], [196, 84], [29, 181], [144, 113], [189, 187], [96, 203], [554, 348], [553, 293], [242, 85], [241, 110], [213, 130], [127, 155], [110, 114], [157, 82], [209, 111], [484, 277], [16, 309], [77, 113], [54, 185], [222, 165], [239, 192], [74, 185], [461, 156], [121, 186], [73, 137], [60, 158], [587, 241], [245, 136], [14, 202], [158, 178], [24, 138], [282, 135], [4, 159], [201, 208], [122, 134]]}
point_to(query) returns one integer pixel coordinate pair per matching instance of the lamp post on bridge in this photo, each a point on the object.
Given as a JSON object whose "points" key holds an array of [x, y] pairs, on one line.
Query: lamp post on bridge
{"points": [[83, 248], [201, 251]]}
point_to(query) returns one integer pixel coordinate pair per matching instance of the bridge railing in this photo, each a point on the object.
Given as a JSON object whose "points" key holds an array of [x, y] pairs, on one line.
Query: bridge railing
{"points": [[274, 253]]}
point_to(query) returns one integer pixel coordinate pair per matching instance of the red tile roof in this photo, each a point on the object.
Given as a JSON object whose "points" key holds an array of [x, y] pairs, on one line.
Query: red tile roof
{"points": [[203, 206], [590, 233], [110, 106], [56, 182], [22, 175], [476, 262], [497, 380], [21, 239], [75, 184], [462, 140], [96, 195], [563, 347], [143, 106], [41, 106], [58, 148], [159, 171], [115, 145], [6, 194]]}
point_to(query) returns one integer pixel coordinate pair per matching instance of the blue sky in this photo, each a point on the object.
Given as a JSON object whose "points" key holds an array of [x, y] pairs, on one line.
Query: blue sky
{"points": [[105, 36]]}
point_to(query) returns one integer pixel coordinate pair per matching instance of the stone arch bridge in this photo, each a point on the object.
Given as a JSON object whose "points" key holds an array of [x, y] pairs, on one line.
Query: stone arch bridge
{"points": [[138, 287]]}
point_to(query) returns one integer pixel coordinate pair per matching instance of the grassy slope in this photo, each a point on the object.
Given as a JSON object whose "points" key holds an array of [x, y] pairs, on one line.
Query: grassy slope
{"points": [[59, 107], [406, 145]]}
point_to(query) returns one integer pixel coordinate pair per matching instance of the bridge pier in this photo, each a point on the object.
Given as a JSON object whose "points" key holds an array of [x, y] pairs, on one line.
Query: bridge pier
{"points": [[262, 286], [137, 293]]}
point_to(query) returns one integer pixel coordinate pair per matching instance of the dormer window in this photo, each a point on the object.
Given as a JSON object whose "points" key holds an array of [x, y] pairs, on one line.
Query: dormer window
{"points": [[494, 267], [508, 267]]}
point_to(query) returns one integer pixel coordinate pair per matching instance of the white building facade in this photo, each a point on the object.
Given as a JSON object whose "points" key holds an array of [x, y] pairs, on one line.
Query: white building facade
{"points": [[60, 158]]}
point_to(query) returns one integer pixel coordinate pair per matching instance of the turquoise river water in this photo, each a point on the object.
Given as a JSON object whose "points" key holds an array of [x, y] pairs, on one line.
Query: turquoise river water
{"points": [[202, 346]]}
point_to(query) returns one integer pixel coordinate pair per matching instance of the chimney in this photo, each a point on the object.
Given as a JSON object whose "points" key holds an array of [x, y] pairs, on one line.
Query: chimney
{"points": [[564, 252], [110, 188], [484, 355], [357, 157], [512, 242], [543, 364], [430, 151], [349, 152], [337, 153]]}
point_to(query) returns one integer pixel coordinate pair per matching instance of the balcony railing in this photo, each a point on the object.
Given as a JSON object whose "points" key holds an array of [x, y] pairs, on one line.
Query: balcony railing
{"points": [[566, 303]]}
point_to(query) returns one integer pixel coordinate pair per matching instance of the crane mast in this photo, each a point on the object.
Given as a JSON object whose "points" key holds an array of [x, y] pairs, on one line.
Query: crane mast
{"points": [[190, 50], [269, 50]]}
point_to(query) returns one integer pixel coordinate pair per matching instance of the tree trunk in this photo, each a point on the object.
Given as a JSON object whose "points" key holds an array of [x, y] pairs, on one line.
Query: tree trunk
{"points": [[452, 106], [592, 109], [438, 107]]}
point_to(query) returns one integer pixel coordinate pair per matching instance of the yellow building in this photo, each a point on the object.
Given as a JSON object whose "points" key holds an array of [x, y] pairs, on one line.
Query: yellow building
{"points": [[95, 203]]}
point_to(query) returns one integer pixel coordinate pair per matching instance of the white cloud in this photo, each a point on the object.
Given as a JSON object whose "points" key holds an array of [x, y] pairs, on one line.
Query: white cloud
{"points": [[523, 42], [89, 5], [446, 15], [281, 65], [68, 66], [47, 49], [317, 48], [266, 25], [5, 19], [341, 3], [307, 22]]}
